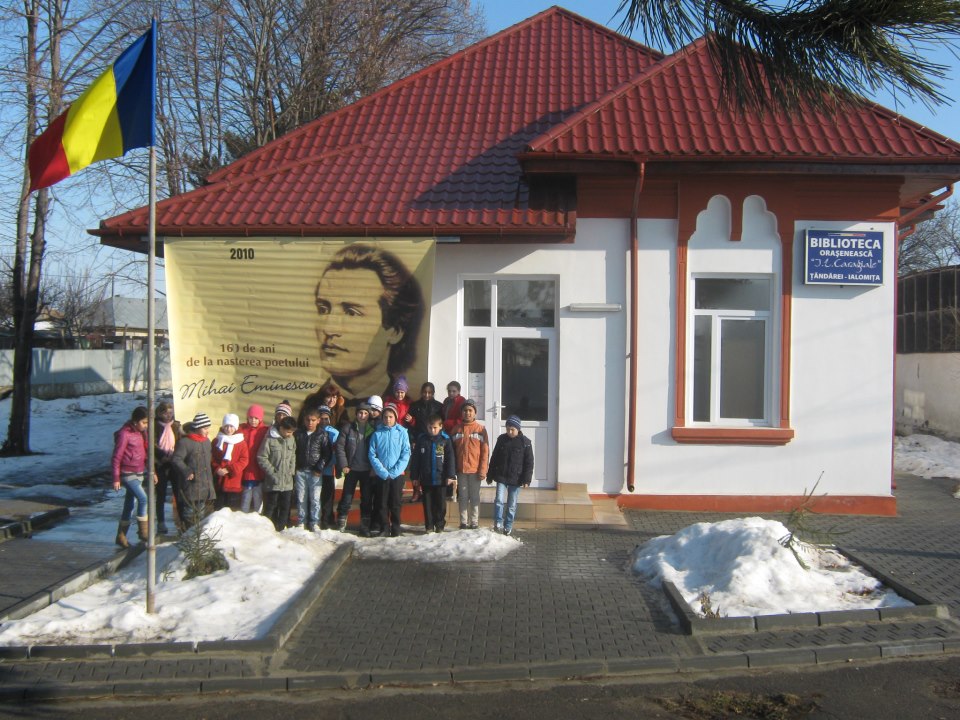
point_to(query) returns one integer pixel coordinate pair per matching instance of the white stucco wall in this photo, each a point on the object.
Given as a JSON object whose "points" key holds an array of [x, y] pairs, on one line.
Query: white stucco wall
{"points": [[591, 346], [927, 393], [842, 375], [842, 363]]}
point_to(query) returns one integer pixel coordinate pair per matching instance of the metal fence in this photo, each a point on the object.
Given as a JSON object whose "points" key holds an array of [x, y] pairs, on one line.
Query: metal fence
{"points": [[928, 312]]}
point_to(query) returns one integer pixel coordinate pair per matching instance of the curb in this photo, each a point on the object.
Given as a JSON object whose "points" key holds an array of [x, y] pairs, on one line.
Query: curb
{"points": [[11, 528], [619, 668]]}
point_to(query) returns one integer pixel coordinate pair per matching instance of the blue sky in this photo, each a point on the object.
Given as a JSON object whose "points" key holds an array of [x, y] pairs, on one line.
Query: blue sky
{"points": [[944, 119]]}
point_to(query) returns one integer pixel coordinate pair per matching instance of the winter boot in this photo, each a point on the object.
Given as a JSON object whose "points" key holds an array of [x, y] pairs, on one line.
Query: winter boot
{"points": [[364, 527], [342, 523], [142, 528], [122, 534]]}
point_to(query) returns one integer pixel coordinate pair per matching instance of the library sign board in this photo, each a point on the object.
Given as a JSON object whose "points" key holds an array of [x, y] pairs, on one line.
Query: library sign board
{"points": [[843, 257]]}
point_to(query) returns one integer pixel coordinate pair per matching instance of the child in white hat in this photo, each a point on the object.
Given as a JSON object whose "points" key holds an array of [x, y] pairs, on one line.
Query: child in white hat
{"points": [[230, 457]]}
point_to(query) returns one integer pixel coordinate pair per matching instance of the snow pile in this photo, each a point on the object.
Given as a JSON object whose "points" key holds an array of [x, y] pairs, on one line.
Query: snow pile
{"points": [[457, 546], [267, 569], [745, 571], [927, 456]]}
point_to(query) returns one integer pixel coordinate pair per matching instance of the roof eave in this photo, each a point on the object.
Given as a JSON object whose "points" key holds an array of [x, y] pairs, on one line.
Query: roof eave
{"points": [[133, 238], [624, 164]]}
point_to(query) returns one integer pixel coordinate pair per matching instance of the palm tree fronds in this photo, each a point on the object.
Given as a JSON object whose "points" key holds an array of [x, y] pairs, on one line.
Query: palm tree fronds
{"points": [[812, 52]]}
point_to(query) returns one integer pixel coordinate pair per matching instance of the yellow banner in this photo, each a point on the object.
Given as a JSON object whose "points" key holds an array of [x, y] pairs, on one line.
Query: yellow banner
{"points": [[266, 320]]}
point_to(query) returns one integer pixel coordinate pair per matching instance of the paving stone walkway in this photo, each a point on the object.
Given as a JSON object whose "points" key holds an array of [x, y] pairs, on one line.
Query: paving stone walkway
{"points": [[32, 567], [565, 595], [562, 605]]}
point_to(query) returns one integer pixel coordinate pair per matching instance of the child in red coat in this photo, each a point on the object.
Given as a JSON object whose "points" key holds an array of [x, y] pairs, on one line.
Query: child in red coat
{"points": [[253, 431], [229, 458]]}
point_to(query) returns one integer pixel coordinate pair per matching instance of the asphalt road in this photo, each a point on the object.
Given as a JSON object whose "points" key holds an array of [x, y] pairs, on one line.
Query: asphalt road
{"points": [[903, 690]]}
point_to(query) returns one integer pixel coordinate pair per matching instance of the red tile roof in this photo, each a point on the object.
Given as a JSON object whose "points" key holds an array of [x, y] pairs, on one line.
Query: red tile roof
{"points": [[438, 153], [434, 153], [674, 110]]}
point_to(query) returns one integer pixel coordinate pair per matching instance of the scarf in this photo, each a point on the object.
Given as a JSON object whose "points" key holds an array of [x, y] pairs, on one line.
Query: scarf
{"points": [[227, 441], [167, 441]]}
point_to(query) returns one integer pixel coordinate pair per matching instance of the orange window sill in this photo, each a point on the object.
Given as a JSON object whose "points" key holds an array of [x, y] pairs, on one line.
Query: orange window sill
{"points": [[732, 436]]}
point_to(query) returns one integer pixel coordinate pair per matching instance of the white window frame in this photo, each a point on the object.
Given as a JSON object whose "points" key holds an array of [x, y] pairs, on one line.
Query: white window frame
{"points": [[495, 280], [718, 315]]}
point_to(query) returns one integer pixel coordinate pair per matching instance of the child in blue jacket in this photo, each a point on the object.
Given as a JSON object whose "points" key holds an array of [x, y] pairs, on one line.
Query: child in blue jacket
{"points": [[389, 455]]}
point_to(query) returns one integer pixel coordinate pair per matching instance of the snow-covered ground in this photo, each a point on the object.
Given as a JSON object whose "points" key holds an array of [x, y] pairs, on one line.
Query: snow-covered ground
{"points": [[739, 563], [267, 569], [927, 456], [73, 438], [744, 569]]}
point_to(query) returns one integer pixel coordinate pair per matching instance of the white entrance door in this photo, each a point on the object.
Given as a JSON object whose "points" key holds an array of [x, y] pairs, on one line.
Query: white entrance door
{"points": [[508, 356]]}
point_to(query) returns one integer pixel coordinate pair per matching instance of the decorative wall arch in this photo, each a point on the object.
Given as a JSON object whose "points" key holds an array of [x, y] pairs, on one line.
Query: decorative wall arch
{"points": [[764, 210]]}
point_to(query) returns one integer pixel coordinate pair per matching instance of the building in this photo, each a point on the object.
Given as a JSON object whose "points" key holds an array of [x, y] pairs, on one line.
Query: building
{"points": [[683, 303], [121, 323], [928, 352]]}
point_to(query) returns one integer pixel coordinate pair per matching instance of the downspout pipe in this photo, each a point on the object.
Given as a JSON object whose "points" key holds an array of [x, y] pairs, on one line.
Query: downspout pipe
{"points": [[634, 308]]}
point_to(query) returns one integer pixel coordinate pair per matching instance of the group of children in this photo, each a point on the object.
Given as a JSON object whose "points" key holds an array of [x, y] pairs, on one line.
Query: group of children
{"points": [[249, 466]]}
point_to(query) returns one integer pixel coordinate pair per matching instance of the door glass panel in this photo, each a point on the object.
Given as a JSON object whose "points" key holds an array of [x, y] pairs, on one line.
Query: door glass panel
{"points": [[477, 373], [742, 344], [524, 372], [476, 303], [526, 303]]}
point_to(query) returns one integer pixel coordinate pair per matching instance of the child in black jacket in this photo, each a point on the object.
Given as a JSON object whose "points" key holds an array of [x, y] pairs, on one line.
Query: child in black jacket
{"points": [[314, 455], [433, 467], [511, 465]]}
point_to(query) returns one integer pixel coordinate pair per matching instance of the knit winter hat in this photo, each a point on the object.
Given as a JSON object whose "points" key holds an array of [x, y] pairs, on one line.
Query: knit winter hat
{"points": [[390, 407], [284, 407], [400, 384], [231, 419], [375, 402], [255, 411], [469, 403], [200, 421], [513, 421], [324, 410]]}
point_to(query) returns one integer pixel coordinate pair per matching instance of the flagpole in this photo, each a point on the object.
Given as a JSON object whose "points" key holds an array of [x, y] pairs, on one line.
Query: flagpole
{"points": [[151, 355], [151, 391]]}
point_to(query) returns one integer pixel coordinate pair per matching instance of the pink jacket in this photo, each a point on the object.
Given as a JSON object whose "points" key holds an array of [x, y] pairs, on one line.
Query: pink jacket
{"points": [[129, 451]]}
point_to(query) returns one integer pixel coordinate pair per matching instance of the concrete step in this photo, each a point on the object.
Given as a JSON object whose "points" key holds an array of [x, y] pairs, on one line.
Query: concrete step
{"points": [[567, 505]]}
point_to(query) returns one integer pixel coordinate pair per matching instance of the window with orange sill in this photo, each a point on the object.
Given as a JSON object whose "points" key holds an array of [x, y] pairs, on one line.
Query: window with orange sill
{"points": [[732, 374], [731, 360]]}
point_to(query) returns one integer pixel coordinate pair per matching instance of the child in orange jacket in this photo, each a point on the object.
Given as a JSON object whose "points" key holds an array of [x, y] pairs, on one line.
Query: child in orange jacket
{"points": [[472, 448]]}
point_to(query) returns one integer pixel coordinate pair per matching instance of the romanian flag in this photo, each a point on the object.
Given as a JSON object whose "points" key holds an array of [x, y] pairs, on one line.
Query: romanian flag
{"points": [[112, 116]]}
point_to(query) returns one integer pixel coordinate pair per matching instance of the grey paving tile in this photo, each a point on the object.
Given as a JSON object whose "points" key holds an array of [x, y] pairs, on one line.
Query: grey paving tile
{"points": [[564, 603]]}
